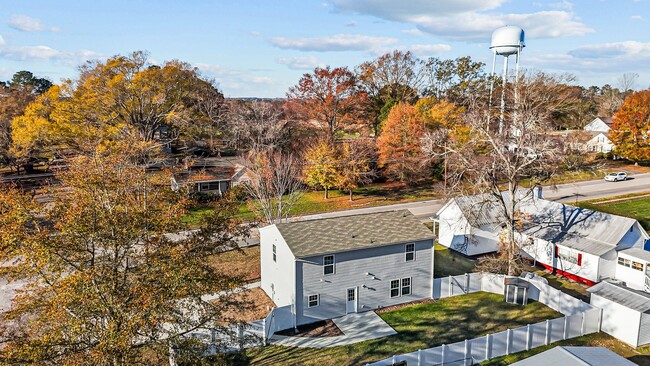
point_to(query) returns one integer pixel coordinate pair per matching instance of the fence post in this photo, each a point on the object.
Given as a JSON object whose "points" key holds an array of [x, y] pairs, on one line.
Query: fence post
{"points": [[508, 340], [442, 362], [566, 327], [600, 319], [528, 337], [467, 284], [547, 340], [264, 331], [488, 347], [468, 351], [419, 357], [240, 336], [582, 326], [559, 303], [451, 288]]}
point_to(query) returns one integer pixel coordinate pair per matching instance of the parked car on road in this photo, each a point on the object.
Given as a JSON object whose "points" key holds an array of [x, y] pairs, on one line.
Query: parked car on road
{"points": [[615, 177]]}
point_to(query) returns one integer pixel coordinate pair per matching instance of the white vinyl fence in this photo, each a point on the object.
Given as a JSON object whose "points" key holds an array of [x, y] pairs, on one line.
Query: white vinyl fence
{"points": [[580, 319], [278, 319]]}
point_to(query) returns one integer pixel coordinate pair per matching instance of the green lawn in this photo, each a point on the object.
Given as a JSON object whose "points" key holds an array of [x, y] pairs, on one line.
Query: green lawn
{"points": [[449, 263], [313, 202], [418, 326], [640, 356], [637, 208]]}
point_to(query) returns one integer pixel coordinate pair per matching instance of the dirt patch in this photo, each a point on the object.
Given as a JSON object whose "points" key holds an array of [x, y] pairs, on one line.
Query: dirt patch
{"points": [[255, 305], [243, 263], [324, 328], [396, 307]]}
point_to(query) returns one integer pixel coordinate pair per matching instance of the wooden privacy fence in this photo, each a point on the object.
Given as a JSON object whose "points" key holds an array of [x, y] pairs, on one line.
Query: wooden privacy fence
{"points": [[580, 319]]}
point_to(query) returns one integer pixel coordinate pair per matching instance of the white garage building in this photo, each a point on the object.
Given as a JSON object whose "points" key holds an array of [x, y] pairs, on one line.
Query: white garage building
{"points": [[626, 312]]}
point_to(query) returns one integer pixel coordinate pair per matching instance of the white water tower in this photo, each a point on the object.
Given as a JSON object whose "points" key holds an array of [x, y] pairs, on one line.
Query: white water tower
{"points": [[506, 41]]}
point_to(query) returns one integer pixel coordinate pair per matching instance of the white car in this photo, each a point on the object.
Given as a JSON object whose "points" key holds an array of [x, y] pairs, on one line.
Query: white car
{"points": [[615, 177]]}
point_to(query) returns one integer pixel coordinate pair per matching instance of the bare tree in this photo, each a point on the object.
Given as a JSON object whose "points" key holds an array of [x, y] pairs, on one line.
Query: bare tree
{"points": [[627, 81], [275, 185], [258, 125], [493, 163]]}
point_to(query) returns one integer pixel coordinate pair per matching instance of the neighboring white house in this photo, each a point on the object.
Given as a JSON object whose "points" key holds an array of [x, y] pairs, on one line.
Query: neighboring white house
{"points": [[578, 243], [626, 312], [576, 356], [599, 142], [600, 124], [213, 177], [327, 268]]}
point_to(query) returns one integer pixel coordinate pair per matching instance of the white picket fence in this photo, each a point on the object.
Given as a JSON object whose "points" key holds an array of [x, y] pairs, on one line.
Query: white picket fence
{"points": [[580, 319]]}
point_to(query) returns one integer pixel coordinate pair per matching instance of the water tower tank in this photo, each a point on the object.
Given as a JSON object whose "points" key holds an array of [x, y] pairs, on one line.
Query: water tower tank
{"points": [[507, 40]]}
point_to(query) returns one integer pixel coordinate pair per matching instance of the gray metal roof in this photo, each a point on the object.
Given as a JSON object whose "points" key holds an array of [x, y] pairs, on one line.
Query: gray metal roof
{"points": [[341, 234], [576, 356], [637, 253], [623, 295], [574, 227], [586, 230], [480, 209]]}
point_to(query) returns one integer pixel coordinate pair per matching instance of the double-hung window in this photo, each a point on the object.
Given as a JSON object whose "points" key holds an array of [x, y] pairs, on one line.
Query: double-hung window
{"points": [[312, 301], [394, 288], [406, 286], [400, 287], [328, 264], [410, 252]]}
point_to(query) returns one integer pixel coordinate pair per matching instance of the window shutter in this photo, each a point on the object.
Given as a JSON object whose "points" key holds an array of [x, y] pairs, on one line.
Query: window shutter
{"points": [[579, 259]]}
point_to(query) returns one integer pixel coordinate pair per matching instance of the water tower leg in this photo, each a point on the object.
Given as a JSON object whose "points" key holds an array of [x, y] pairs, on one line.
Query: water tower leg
{"points": [[503, 94], [494, 62]]}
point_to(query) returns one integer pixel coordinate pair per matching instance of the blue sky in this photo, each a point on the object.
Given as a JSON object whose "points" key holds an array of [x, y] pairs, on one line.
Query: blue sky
{"points": [[261, 47]]}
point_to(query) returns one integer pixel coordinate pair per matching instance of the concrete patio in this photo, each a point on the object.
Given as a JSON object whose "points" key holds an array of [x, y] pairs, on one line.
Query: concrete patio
{"points": [[356, 327]]}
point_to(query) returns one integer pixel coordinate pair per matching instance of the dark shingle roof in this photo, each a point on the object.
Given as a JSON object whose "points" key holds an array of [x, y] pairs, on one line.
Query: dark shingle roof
{"points": [[342, 234]]}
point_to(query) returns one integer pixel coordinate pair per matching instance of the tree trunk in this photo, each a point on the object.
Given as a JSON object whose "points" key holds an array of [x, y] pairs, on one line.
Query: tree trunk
{"points": [[327, 196], [350, 195]]}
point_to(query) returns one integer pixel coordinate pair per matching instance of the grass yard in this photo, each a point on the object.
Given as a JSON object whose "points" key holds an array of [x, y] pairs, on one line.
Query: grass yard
{"points": [[313, 202], [636, 206], [418, 326], [449, 263], [640, 356], [577, 290], [244, 263]]}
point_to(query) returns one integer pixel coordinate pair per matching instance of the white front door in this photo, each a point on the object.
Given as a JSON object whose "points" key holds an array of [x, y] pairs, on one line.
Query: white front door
{"points": [[351, 301]]}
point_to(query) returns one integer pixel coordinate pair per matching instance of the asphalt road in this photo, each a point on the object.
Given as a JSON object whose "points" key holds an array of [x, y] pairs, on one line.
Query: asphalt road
{"points": [[569, 193]]}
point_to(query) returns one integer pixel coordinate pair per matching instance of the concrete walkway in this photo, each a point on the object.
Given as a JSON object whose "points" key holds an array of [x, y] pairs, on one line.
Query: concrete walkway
{"points": [[357, 327]]}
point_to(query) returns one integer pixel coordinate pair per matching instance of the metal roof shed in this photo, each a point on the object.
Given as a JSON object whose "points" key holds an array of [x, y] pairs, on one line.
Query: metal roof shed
{"points": [[626, 312], [576, 356]]}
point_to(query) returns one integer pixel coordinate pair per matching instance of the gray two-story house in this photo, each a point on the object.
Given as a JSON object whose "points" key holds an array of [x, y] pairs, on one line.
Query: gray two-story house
{"points": [[327, 268]]}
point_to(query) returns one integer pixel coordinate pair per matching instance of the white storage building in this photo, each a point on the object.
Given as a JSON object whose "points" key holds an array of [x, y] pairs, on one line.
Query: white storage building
{"points": [[626, 312]]}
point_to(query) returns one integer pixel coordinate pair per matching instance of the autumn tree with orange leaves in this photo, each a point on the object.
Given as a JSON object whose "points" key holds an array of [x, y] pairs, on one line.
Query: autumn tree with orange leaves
{"points": [[330, 99], [630, 131], [398, 146]]}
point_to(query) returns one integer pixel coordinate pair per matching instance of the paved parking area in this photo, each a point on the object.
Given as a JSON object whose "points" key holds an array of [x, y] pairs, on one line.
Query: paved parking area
{"points": [[357, 327]]}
